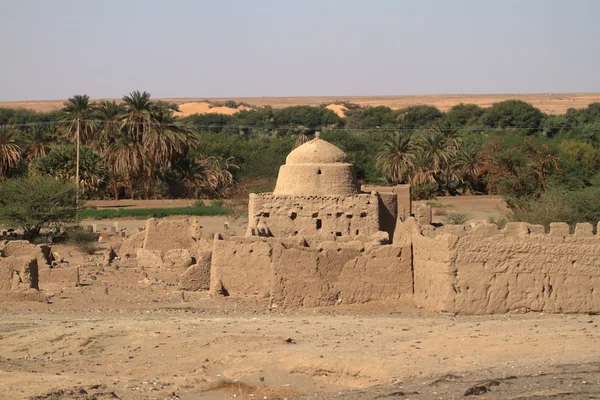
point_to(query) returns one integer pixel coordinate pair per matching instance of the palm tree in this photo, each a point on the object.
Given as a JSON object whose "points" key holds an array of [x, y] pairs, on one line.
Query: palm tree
{"points": [[423, 173], [440, 149], [396, 160], [78, 117], [204, 176], [79, 122], [302, 138], [166, 138], [137, 117], [468, 166], [37, 142], [10, 151], [125, 158], [110, 113]]}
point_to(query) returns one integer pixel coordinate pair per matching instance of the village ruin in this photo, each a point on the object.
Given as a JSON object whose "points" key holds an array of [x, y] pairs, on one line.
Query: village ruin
{"points": [[319, 239]]}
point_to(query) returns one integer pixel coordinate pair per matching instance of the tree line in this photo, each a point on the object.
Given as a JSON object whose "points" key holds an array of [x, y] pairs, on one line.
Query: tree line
{"points": [[138, 148]]}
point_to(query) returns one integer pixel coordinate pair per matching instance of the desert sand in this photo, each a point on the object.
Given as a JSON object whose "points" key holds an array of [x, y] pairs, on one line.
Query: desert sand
{"points": [[120, 335], [551, 103]]}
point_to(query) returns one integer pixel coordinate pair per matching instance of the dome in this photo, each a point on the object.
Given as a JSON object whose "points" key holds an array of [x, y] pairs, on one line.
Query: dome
{"points": [[316, 168], [316, 151]]}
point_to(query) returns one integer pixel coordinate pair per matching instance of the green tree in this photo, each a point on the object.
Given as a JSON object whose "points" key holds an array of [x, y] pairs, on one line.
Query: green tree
{"points": [[515, 114], [396, 160], [111, 114], [418, 116], [37, 141], [78, 114], [10, 152], [467, 167], [166, 138], [35, 203], [462, 115], [60, 163], [125, 160]]}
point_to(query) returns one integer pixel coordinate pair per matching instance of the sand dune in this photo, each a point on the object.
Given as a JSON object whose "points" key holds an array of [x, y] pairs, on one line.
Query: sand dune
{"points": [[204, 107], [339, 109], [551, 103]]}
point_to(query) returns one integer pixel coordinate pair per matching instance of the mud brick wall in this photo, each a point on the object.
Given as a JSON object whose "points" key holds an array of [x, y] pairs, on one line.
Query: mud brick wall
{"points": [[294, 275], [520, 268], [316, 218]]}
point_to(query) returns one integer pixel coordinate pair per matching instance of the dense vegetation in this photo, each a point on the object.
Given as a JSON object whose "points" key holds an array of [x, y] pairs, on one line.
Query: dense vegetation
{"points": [[139, 149]]}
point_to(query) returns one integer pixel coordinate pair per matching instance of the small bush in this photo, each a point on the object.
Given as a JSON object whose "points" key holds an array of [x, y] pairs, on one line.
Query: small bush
{"points": [[87, 248], [83, 239], [456, 218], [217, 203], [500, 221], [425, 191], [439, 212]]}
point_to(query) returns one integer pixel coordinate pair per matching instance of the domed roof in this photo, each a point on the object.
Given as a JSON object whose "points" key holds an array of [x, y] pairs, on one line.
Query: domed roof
{"points": [[316, 151]]}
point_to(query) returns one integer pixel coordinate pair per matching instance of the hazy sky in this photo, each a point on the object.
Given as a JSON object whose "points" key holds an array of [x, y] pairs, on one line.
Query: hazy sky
{"points": [[52, 49]]}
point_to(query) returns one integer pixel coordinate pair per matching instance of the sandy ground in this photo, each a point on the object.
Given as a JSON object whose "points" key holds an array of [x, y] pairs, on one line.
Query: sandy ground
{"points": [[119, 335], [477, 208], [552, 103]]}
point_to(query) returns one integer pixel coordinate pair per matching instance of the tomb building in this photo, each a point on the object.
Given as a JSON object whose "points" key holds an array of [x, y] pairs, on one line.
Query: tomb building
{"points": [[317, 197]]}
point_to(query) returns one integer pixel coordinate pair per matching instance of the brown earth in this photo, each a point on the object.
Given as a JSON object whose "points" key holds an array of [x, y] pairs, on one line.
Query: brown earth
{"points": [[119, 335], [551, 103]]}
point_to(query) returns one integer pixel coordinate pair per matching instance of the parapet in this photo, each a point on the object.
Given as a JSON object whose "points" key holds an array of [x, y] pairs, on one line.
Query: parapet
{"points": [[516, 229]]}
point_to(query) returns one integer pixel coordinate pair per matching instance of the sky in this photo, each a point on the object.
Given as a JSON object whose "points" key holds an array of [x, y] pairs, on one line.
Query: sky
{"points": [[53, 49]]}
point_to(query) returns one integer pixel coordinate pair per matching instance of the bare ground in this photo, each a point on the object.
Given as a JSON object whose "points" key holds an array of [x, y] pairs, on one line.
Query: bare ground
{"points": [[120, 336], [135, 341]]}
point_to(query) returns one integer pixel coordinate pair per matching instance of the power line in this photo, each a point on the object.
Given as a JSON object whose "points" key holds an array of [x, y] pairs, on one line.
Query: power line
{"points": [[300, 127]]}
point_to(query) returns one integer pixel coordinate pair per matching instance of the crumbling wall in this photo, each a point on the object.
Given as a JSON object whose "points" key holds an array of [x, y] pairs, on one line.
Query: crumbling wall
{"points": [[19, 279], [22, 248], [520, 268], [295, 275], [314, 218], [61, 276], [383, 274], [197, 276], [402, 193], [165, 244], [242, 265], [388, 213], [171, 234]]}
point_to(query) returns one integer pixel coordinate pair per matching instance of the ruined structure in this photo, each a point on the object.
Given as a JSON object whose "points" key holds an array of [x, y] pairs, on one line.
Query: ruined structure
{"points": [[320, 240], [26, 268], [317, 198]]}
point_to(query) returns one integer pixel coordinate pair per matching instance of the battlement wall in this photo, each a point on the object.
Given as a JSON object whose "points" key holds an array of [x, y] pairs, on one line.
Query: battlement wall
{"points": [[485, 270]]}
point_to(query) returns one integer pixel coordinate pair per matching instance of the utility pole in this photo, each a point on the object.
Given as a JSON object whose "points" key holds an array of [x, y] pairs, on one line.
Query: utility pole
{"points": [[77, 172]]}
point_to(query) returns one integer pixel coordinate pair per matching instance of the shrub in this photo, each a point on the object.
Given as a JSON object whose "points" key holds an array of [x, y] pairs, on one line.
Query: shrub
{"points": [[82, 239], [35, 203], [456, 218], [61, 163], [425, 191], [500, 221], [217, 203], [561, 206]]}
